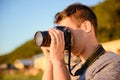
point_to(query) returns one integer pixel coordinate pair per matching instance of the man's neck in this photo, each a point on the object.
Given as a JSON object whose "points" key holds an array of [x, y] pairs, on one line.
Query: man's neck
{"points": [[98, 51], [87, 52]]}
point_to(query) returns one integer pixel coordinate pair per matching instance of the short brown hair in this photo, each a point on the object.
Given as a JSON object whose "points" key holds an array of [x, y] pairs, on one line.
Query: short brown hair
{"points": [[79, 13]]}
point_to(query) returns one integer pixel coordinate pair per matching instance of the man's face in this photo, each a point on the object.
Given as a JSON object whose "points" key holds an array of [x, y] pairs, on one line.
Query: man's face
{"points": [[77, 33]]}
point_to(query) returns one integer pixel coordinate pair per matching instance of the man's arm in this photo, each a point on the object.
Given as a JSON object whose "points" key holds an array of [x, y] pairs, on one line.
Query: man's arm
{"points": [[60, 71], [57, 47], [48, 73], [55, 54]]}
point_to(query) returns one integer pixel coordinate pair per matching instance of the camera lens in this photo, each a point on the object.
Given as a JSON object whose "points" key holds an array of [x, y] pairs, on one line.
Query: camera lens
{"points": [[42, 38]]}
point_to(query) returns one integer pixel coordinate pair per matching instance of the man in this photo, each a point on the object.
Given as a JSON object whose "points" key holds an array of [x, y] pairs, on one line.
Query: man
{"points": [[97, 63]]}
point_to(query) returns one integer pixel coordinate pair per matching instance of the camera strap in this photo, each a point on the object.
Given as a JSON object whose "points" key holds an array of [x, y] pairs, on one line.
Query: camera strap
{"points": [[91, 59]]}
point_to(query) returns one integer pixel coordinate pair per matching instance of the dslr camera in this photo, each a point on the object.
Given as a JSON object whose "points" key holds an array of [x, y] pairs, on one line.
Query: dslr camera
{"points": [[42, 38]]}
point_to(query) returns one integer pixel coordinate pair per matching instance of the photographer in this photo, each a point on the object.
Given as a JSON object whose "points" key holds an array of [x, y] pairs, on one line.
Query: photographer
{"points": [[97, 64]]}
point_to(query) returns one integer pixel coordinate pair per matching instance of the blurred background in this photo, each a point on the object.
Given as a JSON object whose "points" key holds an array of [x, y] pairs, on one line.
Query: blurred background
{"points": [[20, 19]]}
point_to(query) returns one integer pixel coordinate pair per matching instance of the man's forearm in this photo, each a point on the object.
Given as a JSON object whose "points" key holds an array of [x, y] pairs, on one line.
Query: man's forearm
{"points": [[60, 71], [48, 73]]}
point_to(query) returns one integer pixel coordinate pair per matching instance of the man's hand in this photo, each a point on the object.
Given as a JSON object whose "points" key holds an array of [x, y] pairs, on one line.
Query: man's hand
{"points": [[56, 50], [55, 54]]}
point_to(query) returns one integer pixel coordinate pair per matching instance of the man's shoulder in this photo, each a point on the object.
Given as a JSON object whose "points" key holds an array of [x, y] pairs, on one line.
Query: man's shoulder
{"points": [[108, 58], [110, 55], [107, 64]]}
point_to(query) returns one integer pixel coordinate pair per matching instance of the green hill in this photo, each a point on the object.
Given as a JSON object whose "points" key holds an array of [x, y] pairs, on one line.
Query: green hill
{"points": [[108, 14], [26, 50]]}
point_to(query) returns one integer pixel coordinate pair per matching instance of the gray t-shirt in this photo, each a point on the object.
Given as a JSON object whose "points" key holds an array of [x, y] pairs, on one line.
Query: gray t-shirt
{"points": [[107, 67]]}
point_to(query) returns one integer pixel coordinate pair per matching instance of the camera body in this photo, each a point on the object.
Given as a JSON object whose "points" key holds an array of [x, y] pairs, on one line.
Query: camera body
{"points": [[42, 38]]}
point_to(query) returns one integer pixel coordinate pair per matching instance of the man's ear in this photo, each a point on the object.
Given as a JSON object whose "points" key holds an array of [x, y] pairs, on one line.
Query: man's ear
{"points": [[86, 26]]}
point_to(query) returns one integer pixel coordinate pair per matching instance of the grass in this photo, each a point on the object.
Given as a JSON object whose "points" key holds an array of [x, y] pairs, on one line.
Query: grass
{"points": [[20, 76]]}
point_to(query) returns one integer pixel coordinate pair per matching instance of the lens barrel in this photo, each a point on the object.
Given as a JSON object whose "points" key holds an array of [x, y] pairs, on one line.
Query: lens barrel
{"points": [[42, 38]]}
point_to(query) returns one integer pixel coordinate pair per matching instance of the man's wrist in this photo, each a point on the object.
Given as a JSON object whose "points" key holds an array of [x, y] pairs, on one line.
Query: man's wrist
{"points": [[48, 63], [58, 62]]}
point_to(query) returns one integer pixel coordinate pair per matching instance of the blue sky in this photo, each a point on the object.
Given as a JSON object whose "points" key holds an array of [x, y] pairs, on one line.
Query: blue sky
{"points": [[20, 19]]}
